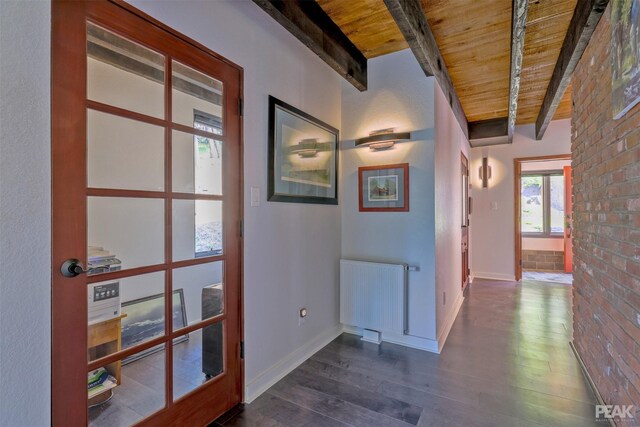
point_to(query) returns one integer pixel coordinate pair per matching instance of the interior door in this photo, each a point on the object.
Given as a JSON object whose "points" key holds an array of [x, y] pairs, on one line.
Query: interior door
{"points": [[464, 179], [147, 191], [568, 228]]}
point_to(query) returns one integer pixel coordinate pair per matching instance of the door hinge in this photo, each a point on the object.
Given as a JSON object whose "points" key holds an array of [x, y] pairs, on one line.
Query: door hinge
{"points": [[240, 107], [242, 350], [241, 228]]}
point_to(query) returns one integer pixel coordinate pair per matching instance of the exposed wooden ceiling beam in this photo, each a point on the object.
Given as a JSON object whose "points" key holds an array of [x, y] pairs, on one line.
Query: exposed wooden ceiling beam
{"points": [[518, 26], [585, 18], [411, 20], [310, 24], [490, 128]]}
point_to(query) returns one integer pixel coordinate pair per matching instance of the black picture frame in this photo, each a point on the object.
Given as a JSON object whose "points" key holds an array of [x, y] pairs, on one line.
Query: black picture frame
{"points": [[301, 187], [178, 323]]}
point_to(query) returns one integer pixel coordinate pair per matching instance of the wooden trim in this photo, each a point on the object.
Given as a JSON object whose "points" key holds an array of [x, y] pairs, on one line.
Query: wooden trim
{"points": [[142, 15], [585, 19], [517, 172], [310, 24], [403, 166], [411, 20], [68, 126], [167, 337], [518, 27], [121, 112], [69, 302], [517, 169]]}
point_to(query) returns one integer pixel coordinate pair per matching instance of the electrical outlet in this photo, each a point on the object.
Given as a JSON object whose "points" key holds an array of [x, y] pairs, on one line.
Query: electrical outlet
{"points": [[302, 315]]}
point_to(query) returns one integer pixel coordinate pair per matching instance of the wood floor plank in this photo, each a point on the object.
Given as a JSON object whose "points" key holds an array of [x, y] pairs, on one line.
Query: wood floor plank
{"points": [[507, 362], [334, 407]]}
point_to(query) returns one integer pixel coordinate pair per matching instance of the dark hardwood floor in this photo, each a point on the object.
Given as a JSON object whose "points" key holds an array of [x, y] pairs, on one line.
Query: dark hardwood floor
{"points": [[507, 362]]}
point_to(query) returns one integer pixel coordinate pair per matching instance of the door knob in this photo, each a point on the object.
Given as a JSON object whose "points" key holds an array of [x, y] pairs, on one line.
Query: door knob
{"points": [[72, 268]]}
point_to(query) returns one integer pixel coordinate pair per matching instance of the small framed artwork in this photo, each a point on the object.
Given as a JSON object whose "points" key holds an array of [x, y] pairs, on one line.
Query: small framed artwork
{"points": [[384, 188], [303, 157]]}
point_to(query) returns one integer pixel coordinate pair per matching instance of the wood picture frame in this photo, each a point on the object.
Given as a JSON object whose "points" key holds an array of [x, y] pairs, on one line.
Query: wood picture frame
{"points": [[303, 157], [390, 196]]}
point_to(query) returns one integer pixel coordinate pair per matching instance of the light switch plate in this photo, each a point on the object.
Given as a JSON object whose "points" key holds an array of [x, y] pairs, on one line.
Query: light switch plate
{"points": [[494, 206], [255, 196]]}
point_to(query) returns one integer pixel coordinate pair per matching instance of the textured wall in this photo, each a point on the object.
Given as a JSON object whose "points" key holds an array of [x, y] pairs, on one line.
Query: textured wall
{"points": [[606, 192], [25, 214], [451, 143], [399, 96]]}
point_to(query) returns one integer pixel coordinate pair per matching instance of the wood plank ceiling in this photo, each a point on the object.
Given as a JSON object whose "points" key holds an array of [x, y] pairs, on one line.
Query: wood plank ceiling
{"points": [[474, 38]]}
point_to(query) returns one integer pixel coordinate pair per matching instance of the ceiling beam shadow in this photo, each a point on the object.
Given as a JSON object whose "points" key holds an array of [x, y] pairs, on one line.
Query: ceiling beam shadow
{"points": [[411, 20], [585, 18], [489, 132], [310, 24]]}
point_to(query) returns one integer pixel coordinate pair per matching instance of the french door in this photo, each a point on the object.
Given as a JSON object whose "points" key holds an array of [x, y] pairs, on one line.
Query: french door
{"points": [[147, 199]]}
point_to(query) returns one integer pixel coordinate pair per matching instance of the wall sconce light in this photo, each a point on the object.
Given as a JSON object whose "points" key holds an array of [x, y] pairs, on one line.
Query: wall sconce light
{"points": [[382, 139], [307, 148], [484, 173]]}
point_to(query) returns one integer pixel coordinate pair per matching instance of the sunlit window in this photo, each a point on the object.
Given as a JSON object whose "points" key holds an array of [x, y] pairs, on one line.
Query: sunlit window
{"points": [[542, 204]]}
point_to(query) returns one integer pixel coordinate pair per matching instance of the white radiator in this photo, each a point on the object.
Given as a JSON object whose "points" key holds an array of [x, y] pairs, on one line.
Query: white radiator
{"points": [[373, 296]]}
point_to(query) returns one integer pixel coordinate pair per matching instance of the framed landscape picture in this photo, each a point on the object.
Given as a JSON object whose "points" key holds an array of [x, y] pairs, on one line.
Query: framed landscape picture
{"points": [[303, 157], [625, 55], [144, 321], [384, 188]]}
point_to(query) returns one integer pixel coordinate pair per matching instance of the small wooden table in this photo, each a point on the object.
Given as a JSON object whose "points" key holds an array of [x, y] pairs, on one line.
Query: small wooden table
{"points": [[105, 338]]}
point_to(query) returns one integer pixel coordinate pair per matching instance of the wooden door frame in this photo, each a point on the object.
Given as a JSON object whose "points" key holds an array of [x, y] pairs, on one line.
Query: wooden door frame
{"points": [[465, 161], [517, 171], [66, 23]]}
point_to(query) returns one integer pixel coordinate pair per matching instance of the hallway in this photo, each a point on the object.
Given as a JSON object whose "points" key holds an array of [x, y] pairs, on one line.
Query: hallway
{"points": [[507, 362]]}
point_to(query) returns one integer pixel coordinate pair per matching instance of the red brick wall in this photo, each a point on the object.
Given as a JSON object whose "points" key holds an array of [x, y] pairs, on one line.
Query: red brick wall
{"points": [[606, 192]]}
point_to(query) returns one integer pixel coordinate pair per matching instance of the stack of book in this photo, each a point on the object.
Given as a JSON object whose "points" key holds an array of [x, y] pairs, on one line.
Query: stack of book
{"points": [[101, 261], [100, 381]]}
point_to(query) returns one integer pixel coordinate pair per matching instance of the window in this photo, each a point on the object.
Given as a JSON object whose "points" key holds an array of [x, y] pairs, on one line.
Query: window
{"points": [[207, 169], [542, 204]]}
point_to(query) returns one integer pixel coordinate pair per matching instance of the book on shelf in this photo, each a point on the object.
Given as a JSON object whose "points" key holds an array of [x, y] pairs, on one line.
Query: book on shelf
{"points": [[99, 381]]}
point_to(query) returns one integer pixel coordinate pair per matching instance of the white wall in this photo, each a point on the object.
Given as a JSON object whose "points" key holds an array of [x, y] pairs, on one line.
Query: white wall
{"points": [[399, 96], [292, 251], [493, 213], [450, 144], [25, 213]]}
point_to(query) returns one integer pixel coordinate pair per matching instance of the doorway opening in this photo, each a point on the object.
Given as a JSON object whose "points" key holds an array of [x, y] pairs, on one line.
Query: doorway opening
{"points": [[543, 222]]}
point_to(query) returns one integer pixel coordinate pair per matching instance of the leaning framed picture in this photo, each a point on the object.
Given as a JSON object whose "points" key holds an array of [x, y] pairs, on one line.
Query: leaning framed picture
{"points": [[144, 320], [303, 157], [384, 188]]}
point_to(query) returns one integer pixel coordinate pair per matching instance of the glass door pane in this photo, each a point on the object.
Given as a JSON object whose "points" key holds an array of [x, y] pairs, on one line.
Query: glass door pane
{"points": [[124, 74]]}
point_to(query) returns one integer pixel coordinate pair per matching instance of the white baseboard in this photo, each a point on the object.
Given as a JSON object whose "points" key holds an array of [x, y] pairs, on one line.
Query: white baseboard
{"points": [[405, 340], [276, 372], [493, 276], [449, 321]]}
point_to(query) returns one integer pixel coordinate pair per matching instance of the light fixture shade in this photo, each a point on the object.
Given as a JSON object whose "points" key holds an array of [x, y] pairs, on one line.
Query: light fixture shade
{"points": [[382, 139], [484, 173]]}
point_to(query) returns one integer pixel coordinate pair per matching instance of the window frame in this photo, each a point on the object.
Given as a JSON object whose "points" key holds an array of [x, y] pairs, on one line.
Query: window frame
{"points": [[546, 204]]}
